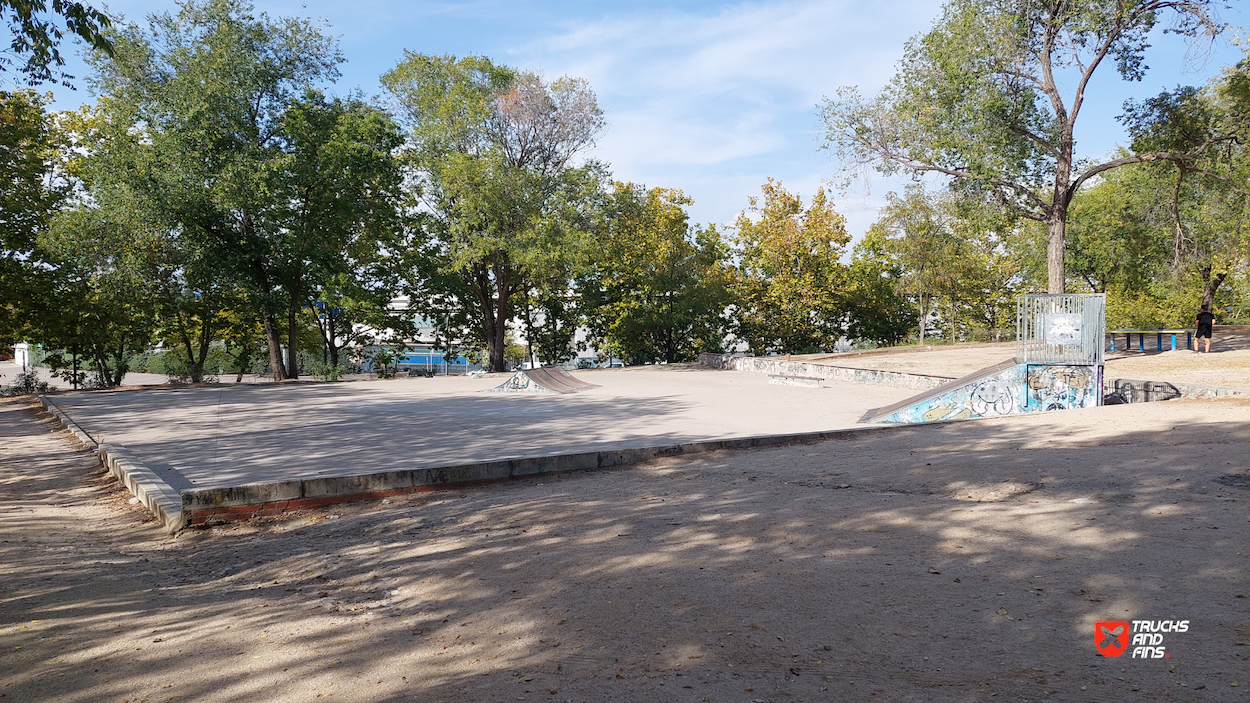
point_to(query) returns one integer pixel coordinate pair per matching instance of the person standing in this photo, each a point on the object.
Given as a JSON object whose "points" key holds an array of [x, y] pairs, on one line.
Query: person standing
{"points": [[1204, 322]]}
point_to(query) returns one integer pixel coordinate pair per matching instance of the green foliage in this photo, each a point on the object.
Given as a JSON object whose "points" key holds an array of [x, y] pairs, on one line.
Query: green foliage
{"points": [[789, 287], [1158, 248], [657, 288], [384, 363], [104, 300], [37, 35], [505, 210], [27, 152], [339, 186], [880, 312], [195, 109], [26, 383], [981, 98], [270, 196], [953, 261]]}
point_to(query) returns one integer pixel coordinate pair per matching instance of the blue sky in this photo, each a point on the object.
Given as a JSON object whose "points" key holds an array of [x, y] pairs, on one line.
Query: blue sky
{"points": [[712, 98]]}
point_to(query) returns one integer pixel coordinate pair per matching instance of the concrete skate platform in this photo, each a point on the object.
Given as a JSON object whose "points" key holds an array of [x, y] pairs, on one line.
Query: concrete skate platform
{"points": [[218, 453]]}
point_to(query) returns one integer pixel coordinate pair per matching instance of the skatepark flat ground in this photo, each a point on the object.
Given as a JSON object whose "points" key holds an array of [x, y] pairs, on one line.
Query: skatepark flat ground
{"points": [[959, 562], [227, 435]]}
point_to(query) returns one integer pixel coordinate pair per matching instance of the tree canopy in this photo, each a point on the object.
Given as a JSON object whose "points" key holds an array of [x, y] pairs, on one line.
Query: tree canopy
{"points": [[991, 96], [502, 203]]}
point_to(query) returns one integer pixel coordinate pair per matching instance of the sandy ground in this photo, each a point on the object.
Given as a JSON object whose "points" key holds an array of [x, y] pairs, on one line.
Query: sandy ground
{"points": [[232, 435], [1229, 368], [961, 562], [1227, 365]]}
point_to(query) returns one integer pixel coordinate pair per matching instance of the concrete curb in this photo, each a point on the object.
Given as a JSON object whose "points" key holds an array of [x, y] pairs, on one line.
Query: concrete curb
{"points": [[156, 495], [69, 424], [1205, 392], [210, 505], [1188, 390], [161, 499], [778, 366]]}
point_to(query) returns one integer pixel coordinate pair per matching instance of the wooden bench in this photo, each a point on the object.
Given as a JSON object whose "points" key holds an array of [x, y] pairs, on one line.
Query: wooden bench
{"points": [[1141, 338]]}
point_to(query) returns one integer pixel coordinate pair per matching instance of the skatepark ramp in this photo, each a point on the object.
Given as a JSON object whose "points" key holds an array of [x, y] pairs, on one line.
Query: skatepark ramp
{"points": [[1058, 366], [1006, 388], [546, 379]]}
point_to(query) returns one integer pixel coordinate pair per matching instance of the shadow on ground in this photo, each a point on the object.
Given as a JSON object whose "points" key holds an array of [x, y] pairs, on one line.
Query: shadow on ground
{"points": [[954, 562]]}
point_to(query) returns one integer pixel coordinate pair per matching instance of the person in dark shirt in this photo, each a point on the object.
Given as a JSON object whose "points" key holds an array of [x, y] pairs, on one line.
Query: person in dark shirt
{"points": [[1204, 321]]}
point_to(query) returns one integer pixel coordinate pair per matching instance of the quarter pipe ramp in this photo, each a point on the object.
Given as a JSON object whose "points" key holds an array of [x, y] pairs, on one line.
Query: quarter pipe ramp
{"points": [[1006, 388], [546, 379]]}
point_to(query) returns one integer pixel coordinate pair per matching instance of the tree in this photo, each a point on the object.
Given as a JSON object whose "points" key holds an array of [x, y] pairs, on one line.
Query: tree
{"points": [[37, 36], [919, 231], [953, 261], [789, 285], [492, 152], [336, 193], [29, 196], [104, 303], [195, 108], [657, 288], [979, 98], [879, 309], [1124, 242], [1209, 194]]}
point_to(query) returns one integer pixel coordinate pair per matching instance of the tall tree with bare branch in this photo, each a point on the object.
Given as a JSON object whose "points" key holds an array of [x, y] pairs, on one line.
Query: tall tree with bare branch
{"points": [[981, 98]]}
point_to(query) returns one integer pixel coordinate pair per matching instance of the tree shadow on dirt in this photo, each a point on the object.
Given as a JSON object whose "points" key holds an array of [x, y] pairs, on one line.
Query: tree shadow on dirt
{"points": [[950, 562]]}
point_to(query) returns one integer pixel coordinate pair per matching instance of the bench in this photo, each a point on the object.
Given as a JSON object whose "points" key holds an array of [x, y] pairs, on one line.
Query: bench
{"points": [[1141, 338]]}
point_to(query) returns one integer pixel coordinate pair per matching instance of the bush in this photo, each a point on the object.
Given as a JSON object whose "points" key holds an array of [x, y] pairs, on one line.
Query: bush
{"points": [[26, 383]]}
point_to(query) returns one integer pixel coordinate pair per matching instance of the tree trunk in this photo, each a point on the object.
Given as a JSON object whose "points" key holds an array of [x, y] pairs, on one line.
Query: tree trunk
{"points": [[924, 316], [292, 335], [206, 341], [1056, 227], [529, 328], [243, 358], [186, 345], [274, 342], [1212, 285], [334, 342]]}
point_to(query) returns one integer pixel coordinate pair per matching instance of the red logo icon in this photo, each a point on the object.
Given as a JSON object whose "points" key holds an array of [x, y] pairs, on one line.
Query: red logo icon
{"points": [[1111, 637]]}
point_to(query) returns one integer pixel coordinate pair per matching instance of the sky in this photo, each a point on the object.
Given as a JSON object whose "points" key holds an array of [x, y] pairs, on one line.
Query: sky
{"points": [[707, 97]]}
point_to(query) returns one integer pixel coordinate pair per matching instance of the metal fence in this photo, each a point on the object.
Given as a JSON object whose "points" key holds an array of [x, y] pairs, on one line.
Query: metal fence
{"points": [[1061, 329]]}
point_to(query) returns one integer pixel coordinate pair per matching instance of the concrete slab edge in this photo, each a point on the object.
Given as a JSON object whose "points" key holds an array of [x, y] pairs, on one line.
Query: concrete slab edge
{"points": [[209, 506], [69, 424], [780, 367], [156, 495], [1189, 390], [161, 499]]}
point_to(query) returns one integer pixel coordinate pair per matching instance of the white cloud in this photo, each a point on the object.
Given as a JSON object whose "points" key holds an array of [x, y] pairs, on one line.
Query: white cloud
{"points": [[717, 102]]}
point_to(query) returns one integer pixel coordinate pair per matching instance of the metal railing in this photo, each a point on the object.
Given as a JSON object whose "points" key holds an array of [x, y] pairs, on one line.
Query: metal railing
{"points": [[1061, 329]]}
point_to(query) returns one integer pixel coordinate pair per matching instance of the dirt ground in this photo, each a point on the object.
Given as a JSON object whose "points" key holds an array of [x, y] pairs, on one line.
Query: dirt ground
{"points": [[1227, 364], [960, 562]]}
